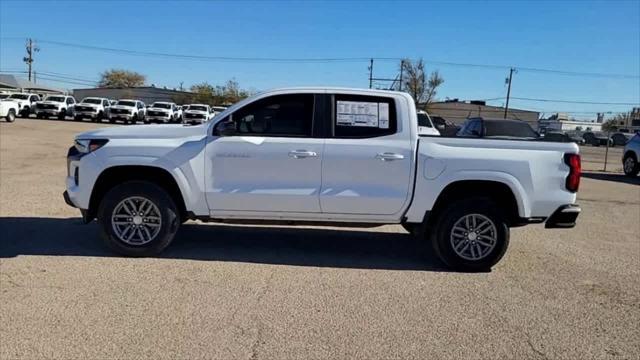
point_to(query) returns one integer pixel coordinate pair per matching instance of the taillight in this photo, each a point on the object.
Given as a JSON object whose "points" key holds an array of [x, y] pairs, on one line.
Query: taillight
{"points": [[575, 169]]}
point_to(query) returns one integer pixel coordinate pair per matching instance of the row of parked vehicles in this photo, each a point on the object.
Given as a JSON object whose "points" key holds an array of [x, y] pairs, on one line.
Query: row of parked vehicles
{"points": [[128, 111]]}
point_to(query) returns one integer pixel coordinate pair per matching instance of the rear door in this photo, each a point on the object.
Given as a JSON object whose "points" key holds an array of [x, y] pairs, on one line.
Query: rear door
{"points": [[368, 157], [271, 164]]}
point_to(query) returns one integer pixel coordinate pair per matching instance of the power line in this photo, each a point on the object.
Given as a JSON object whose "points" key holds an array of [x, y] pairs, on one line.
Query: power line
{"points": [[327, 60], [567, 101]]}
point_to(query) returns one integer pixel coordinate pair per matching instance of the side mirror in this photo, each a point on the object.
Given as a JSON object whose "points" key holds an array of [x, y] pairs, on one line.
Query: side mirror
{"points": [[226, 128]]}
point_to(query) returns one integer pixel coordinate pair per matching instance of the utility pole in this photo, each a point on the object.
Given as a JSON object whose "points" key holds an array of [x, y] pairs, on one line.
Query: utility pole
{"points": [[29, 58], [401, 73], [506, 108], [370, 73]]}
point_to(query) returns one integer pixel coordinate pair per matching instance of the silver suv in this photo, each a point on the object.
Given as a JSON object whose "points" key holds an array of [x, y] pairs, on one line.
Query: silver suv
{"points": [[631, 156]]}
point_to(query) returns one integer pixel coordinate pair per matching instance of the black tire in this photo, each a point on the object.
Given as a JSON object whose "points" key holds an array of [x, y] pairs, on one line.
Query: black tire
{"points": [[112, 121], [25, 112], [11, 116], [99, 117], [62, 115], [442, 234], [170, 218], [77, 118], [633, 169]]}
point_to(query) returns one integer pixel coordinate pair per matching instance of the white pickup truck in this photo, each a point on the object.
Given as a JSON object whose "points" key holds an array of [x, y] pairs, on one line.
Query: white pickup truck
{"points": [[197, 114], [59, 106], [163, 112], [94, 108], [325, 156]]}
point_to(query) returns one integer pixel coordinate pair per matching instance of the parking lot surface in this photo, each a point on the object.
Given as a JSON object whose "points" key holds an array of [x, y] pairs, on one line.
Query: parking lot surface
{"points": [[253, 292]]}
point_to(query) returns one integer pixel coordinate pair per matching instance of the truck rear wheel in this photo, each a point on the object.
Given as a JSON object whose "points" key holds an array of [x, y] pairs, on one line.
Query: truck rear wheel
{"points": [[470, 234], [11, 115], [138, 218]]}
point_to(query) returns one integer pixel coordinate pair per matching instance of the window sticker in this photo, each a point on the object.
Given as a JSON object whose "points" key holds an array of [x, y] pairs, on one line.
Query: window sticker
{"points": [[358, 113], [383, 115]]}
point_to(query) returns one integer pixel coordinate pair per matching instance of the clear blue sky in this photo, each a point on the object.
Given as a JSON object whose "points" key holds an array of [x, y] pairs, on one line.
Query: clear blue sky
{"points": [[601, 37]]}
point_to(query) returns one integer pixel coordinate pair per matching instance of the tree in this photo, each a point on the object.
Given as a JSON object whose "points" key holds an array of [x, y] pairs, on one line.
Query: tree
{"points": [[422, 89], [121, 78], [227, 94]]}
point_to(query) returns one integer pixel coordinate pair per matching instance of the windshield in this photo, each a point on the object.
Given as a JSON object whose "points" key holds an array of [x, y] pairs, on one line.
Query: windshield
{"points": [[508, 128], [92, 101], [161, 105], [126, 103], [423, 120], [19, 96], [55, 98], [198, 108]]}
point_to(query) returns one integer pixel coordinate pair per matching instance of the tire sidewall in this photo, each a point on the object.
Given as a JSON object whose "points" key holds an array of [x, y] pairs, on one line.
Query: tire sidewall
{"points": [[11, 116], [445, 222], [168, 211], [636, 167]]}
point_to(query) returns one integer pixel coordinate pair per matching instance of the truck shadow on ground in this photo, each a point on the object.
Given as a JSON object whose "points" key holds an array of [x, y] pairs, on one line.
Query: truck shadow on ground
{"points": [[612, 177], [251, 244]]}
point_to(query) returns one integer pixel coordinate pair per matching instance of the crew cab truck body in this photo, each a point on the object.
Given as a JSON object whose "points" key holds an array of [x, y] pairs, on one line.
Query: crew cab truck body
{"points": [[321, 156], [93, 108], [127, 111], [163, 112], [8, 110], [26, 102], [59, 106]]}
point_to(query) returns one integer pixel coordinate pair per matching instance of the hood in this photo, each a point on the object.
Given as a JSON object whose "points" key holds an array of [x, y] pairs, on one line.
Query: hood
{"points": [[199, 112], [145, 132], [122, 107]]}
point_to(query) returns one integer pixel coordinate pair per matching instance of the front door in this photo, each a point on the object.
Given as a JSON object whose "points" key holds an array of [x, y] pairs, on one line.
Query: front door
{"points": [[271, 164]]}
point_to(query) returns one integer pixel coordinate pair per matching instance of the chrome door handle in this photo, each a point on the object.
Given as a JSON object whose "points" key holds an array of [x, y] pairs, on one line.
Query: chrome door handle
{"points": [[387, 156], [301, 154]]}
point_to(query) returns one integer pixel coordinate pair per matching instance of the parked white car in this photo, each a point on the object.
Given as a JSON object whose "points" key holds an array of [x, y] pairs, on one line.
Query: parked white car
{"points": [[93, 108], [197, 113], [59, 106], [354, 159], [631, 156], [8, 110], [163, 112], [26, 102], [127, 111]]}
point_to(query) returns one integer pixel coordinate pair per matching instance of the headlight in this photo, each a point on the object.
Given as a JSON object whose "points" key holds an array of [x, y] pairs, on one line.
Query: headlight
{"points": [[86, 146]]}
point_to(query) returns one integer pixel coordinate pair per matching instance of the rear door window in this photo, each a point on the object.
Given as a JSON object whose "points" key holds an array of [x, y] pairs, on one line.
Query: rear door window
{"points": [[360, 116]]}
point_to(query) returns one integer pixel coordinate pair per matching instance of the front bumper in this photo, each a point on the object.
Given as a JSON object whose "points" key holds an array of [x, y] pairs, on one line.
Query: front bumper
{"points": [[158, 118], [84, 113], [47, 111], [120, 116], [564, 217]]}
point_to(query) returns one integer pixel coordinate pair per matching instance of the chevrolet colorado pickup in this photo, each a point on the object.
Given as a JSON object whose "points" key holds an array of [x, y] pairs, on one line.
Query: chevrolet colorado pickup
{"points": [[197, 113], [324, 156], [127, 111]]}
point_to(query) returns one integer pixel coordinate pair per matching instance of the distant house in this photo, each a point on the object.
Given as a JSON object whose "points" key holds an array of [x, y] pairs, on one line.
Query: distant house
{"points": [[147, 94], [561, 122], [12, 83], [457, 112]]}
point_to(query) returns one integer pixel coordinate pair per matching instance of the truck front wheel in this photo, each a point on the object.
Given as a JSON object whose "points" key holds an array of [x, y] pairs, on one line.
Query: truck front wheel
{"points": [[470, 234], [138, 218]]}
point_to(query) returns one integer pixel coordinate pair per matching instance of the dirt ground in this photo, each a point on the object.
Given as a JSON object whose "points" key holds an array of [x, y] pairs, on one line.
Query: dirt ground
{"points": [[255, 292]]}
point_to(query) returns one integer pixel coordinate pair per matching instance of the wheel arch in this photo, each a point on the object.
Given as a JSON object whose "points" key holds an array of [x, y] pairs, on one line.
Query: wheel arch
{"points": [[118, 174], [500, 192]]}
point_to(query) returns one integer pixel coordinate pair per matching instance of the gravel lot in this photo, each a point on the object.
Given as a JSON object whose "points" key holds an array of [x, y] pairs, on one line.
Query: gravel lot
{"points": [[256, 292]]}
